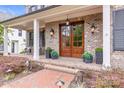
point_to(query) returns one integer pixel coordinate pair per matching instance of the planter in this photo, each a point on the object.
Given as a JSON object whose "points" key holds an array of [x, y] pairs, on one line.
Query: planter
{"points": [[83, 59], [48, 54], [87, 57], [88, 61], [99, 57], [54, 57]]}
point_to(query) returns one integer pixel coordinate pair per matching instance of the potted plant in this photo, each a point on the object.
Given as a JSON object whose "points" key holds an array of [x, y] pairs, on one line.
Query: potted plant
{"points": [[99, 55], [48, 52], [54, 54], [87, 57]]}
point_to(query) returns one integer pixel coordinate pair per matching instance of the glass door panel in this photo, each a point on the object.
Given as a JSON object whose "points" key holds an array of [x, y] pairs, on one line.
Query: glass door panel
{"points": [[66, 39], [77, 35]]}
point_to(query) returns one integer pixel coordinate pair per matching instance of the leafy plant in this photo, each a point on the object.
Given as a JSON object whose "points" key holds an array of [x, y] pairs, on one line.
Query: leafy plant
{"points": [[49, 49], [22, 52], [102, 82], [9, 30], [99, 50], [1, 34], [54, 54], [87, 56], [9, 76]]}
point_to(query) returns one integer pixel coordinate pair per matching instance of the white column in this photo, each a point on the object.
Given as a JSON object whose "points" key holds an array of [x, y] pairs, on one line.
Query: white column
{"points": [[5, 41], [106, 36], [36, 40]]}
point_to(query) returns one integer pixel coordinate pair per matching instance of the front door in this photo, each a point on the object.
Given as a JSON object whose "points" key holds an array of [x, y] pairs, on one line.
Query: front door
{"points": [[72, 39], [15, 47]]}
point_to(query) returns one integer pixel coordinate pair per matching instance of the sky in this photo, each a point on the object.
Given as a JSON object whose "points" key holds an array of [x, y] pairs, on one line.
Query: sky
{"points": [[15, 10]]}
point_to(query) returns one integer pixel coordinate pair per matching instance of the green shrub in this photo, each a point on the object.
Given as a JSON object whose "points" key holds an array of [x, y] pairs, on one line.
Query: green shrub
{"points": [[49, 49], [102, 82], [54, 54], [99, 50], [9, 76], [22, 52], [87, 56]]}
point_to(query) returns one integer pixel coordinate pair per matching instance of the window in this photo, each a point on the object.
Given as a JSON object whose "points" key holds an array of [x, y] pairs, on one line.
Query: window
{"points": [[42, 6], [19, 32], [32, 8], [118, 30], [30, 38]]}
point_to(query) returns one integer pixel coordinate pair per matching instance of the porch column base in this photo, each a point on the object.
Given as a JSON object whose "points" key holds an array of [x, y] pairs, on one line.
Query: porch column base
{"points": [[106, 67]]}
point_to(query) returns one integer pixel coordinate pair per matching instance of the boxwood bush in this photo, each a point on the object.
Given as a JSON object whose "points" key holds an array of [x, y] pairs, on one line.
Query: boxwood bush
{"points": [[99, 50], [54, 54], [87, 56]]}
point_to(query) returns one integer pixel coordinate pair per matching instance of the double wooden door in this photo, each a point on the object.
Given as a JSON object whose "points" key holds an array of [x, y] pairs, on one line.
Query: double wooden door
{"points": [[72, 39]]}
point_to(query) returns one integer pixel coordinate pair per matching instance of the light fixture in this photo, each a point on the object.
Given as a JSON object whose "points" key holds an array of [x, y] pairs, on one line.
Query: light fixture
{"points": [[51, 32], [60, 83], [67, 21], [93, 27]]}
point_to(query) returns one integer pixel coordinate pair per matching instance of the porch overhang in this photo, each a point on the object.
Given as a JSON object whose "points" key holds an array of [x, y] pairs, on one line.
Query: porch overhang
{"points": [[56, 13]]}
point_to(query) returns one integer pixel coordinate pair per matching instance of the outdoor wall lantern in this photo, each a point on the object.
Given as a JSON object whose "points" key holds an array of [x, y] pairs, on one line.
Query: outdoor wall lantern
{"points": [[67, 21], [51, 32], [93, 28]]}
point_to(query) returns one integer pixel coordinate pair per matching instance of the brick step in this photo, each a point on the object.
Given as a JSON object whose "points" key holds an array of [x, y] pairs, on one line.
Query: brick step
{"points": [[78, 65], [60, 68]]}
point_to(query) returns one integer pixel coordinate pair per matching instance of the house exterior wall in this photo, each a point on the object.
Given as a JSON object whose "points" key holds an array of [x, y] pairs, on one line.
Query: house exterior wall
{"points": [[92, 41], [117, 57], [52, 42], [13, 36]]}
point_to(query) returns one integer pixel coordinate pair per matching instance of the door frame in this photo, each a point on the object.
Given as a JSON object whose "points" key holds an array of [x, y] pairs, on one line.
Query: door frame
{"points": [[75, 22]]}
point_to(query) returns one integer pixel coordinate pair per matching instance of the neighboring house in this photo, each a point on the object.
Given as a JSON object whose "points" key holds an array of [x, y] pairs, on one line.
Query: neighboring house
{"points": [[101, 26], [31, 8], [16, 38], [17, 41], [29, 34]]}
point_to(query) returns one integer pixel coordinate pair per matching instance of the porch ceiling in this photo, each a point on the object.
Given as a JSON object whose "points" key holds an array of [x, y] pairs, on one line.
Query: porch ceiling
{"points": [[55, 14]]}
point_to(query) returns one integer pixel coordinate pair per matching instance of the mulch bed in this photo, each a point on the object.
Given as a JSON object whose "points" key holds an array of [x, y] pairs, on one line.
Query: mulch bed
{"points": [[98, 79], [18, 67], [8, 62], [104, 79]]}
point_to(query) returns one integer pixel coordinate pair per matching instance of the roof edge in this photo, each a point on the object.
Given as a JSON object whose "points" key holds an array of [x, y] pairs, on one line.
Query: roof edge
{"points": [[37, 11]]}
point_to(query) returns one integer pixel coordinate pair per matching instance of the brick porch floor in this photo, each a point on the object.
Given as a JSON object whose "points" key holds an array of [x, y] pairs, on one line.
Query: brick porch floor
{"points": [[41, 79]]}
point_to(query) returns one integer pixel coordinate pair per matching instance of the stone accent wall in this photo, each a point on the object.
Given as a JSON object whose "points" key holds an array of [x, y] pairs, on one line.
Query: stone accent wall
{"points": [[117, 57], [93, 41], [52, 42]]}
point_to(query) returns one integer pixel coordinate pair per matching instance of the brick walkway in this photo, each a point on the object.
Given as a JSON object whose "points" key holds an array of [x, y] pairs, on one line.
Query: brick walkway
{"points": [[41, 79]]}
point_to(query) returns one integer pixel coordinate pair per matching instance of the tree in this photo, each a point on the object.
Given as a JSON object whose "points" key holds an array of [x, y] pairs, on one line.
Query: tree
{"points": [[1, 34]]}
